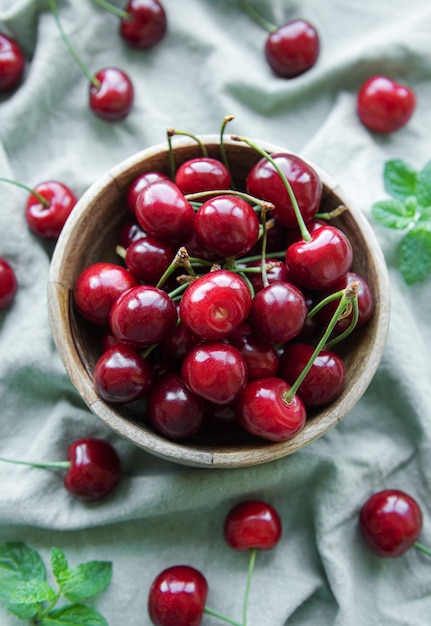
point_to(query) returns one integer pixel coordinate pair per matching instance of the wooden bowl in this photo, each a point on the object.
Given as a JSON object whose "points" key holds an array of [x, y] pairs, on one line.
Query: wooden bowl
{"points": [[90, 235]]}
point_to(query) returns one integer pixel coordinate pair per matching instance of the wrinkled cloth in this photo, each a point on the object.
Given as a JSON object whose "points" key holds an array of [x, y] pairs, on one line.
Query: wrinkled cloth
{"points": [[211, 64]]}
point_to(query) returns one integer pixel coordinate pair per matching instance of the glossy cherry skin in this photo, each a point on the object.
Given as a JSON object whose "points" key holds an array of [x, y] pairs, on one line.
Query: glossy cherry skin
{"points": [[215, 304], [97, 287], [146, 24], [215, 371], [139, 183], [383, 105], [142, 315], [325, 380], [130, 232], [366, 302], [148, 258], [390, 522], [292, 49], [263, 411], [121, 375], [163, 211], [260, 356], [177, 597], [277, 273], [48, 221], [12, 63], [228, 225], [202, 174], [278, 312], [320, 262], [263, 181], [252, 524], [94, 471], [8, 284], [112, 100], [173, 410]]}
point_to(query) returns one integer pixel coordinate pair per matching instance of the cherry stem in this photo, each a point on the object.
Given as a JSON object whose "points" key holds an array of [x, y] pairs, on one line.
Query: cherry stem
{"points": [[350, 327], [262, 204], [301, 224], [181, 259], [84, 69], [422, 548], [44, 202], [333, 296], [54, 464], [263, 268], [173, 131], [256, 257], [348, 294], [330, 215], [223, 618], [257, 17], [225, 121], [113, 9], [251, 566], [172, 165]]}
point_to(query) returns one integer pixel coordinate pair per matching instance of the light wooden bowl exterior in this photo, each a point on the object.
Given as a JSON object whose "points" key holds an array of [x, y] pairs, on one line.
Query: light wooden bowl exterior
{"points": [[90, 235]]}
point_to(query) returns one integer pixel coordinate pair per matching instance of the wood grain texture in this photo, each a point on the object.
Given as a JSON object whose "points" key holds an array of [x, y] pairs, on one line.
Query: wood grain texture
{"points": [[90, 235]]}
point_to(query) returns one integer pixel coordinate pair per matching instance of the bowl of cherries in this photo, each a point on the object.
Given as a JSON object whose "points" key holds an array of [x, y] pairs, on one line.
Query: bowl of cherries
{"points": [[218, 300]]}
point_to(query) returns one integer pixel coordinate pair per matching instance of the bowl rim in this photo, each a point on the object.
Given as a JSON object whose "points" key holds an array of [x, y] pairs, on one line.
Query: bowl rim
{"points": [[59, 297]]}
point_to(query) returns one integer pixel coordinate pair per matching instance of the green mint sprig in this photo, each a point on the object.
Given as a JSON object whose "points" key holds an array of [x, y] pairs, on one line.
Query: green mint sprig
{"points": [[26, 593], [409, 209]]}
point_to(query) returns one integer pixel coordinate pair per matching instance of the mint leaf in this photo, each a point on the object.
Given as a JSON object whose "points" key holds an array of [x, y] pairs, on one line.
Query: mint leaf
{"points": [[72, 615], [425, 217], [394, 213], [19, 565], [59, 564], [423, 190], [32, 592], [415, 254], [86, 580], [400, 179]]}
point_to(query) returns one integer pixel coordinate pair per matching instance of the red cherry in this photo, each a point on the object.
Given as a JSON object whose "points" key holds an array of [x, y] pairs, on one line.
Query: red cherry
{"points": [[320, 262], [122, 375], [8, 284], [112, 99], [262, 410], [259, 355], [12, 63], [47, 220], [129, 232], [94, 469], [366, 303], [97, 287], [252, 524], [145, 25], [202, 174], [215, 371], [293, 48], [383, 105], [177, 597], [263, 181], [163, 211], [138, 185], [148, 258], [277, 273], [175, 345], [390, 522]]}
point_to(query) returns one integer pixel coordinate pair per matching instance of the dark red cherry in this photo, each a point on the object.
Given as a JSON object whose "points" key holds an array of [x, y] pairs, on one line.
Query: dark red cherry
{"points": [[390, 522], [252, 524], [228, 225], [277, 273], [202, 174], [145, 25], [173, 410], [325, 380], [8, 284], [260, 356], [112, 99], [47, 220], [138, 185], [143, 315], [320, 262], [215, 371], [97, 287], [366, 302], [148, 258], [121, 374], [383, 105], [177, 597], [163, 211], [129, 232], [263, 181], [175, 345], [264, 411], [12, 63], [94, 469], [293, 48]]}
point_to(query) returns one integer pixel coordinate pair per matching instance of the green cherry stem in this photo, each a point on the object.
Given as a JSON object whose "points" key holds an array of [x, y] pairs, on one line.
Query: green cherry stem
{"points": [[221, 617], [113, 9], [44, 202], [261, 204], [84, 69], [53, 464], [422, 548], [301, 224], [225, 121], [263, 264], [251, 566], [351, 327], [172, 164], [173, 131], [348, 294], [257, 17], [181, 259]]}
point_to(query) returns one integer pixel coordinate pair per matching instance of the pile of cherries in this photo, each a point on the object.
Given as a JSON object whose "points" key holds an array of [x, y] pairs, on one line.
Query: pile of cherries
{"points": [[228, 301]]}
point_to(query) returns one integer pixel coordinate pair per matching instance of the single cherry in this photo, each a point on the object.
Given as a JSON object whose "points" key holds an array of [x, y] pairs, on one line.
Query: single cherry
{"points": [[111, 94], [12, 63], [293, 48], [260, 356], [48, 207], [252, 524], [384, 105], [145, 24], [177, 597], [148, 258], [365, 298], [138, 184], [8, 284], [202, 174], [129, 232], [390, 522]]}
